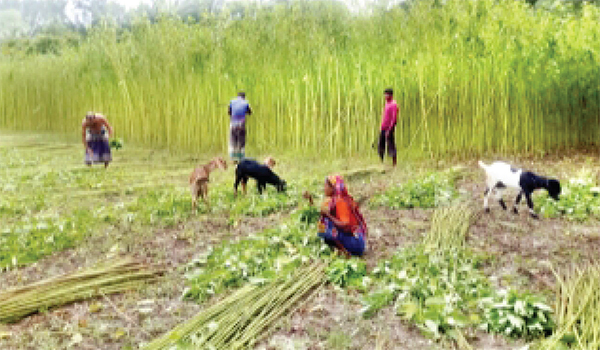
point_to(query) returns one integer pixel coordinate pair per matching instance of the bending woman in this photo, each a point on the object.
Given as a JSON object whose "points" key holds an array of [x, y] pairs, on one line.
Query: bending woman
{"points": [[342, 225]]}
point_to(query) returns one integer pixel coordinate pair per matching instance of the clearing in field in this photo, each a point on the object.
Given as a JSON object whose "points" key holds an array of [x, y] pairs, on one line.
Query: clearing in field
{"points": [[437, 274]]}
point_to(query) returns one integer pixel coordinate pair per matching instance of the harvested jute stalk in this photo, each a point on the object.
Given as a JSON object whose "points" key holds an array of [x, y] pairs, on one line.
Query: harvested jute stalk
{"points": [[106, 278], [238, 321]]}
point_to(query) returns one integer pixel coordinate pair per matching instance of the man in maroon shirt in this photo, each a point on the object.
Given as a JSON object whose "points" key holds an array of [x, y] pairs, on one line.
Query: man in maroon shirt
{"points": [[388, 124]]}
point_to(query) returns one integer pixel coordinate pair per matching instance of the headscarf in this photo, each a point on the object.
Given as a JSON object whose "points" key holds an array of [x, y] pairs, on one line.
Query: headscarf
{"points": [[339, 186]]}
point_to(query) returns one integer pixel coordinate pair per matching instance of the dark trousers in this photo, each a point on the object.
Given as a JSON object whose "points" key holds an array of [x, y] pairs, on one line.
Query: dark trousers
{"points": [[391, 144]]}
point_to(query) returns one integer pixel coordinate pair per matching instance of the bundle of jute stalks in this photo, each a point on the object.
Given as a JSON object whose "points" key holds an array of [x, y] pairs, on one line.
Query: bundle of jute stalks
{"points": [[240, 320], [105, 278], [577, 308], [449, 227]]}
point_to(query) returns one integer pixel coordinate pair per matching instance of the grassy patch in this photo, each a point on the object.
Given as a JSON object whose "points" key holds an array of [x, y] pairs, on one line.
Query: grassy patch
{"points": [[252, 204], [338, 340], [52, 202], [30, 239], [429, 191]]}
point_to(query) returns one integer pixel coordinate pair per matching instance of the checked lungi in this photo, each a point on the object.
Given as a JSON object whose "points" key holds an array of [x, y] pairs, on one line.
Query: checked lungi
{"points": [[98, 144], [237, 139]]}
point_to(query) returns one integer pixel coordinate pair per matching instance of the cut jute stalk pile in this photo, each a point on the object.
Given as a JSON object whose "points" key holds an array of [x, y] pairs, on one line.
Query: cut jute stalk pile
{"points": [[107, 278], [239, 321], [577, 309], [449, 227]]}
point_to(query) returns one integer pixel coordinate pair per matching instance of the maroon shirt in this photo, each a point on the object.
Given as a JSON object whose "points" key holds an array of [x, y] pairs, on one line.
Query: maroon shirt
{"points": [[390, 113]]}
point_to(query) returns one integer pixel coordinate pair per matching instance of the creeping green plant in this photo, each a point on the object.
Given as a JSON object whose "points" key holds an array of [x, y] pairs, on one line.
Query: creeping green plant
{"points": [[430, 191]]}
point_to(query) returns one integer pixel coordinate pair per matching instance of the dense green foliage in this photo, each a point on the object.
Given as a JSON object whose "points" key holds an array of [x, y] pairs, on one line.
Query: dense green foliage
{"points": [[430, 191], [470, 76], [438, 291], [439, 285], [443, 290], [273, 252], [515, 314], [579, 200]]}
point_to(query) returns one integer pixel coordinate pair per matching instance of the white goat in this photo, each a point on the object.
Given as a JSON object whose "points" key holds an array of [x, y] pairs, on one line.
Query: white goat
{"points": [[501, 175]]}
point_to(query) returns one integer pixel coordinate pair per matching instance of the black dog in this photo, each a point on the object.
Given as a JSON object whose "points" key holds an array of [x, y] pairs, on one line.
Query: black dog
{"points": [[249, 168]]}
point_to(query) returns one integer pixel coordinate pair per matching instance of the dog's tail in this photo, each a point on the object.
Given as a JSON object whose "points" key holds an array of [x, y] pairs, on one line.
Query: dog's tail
{"points": [[483, 165]]}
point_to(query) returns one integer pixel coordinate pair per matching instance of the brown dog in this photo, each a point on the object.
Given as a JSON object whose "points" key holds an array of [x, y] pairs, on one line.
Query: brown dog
{"points": [[199, 180]]}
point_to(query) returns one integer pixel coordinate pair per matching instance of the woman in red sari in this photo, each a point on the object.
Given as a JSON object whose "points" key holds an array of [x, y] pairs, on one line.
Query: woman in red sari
{"points": [[342, 226]]}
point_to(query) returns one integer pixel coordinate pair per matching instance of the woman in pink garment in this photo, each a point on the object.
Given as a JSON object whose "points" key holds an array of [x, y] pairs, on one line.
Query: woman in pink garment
{"points": [[388, 124]]}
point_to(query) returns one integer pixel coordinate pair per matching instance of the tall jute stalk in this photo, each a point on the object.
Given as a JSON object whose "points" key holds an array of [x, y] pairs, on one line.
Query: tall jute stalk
{"points": [[471, 76]]}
